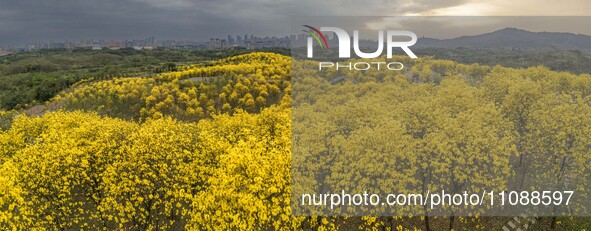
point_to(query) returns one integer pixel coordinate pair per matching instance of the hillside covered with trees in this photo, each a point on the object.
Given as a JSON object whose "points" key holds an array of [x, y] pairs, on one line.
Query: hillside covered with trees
{"points": [[208, 146]]}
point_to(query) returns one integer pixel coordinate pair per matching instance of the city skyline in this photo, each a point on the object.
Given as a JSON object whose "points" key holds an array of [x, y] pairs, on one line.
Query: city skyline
{"points": [[247, 41]]}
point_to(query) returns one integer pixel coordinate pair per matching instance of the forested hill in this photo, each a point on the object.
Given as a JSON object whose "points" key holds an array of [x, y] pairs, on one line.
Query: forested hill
{"points": [[208, 146], [513, 38]]}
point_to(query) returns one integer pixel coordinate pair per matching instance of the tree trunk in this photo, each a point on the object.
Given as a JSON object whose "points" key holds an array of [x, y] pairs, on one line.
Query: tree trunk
{"points": [[451, 222], [553, 224]]}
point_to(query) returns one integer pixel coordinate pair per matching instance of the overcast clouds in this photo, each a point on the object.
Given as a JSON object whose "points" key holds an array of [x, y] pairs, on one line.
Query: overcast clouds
{"points": [[27, 20]]}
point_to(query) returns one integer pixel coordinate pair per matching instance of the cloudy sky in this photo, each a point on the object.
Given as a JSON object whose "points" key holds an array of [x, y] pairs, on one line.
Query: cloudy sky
{"points": [[23, 21]]}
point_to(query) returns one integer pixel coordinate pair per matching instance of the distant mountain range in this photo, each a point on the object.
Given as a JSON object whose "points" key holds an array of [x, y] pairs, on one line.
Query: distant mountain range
{"points": [[513, 38]]}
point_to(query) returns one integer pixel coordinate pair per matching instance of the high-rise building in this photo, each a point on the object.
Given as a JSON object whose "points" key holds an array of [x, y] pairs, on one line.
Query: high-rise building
{"points": [[230, 41]]}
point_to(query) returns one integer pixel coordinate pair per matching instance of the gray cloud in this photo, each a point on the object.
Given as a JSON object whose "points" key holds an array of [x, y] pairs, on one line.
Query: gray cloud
{"points": [[24, 21]]}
